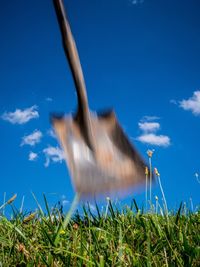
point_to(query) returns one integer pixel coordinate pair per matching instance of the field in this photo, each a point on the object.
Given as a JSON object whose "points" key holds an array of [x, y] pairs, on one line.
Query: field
{"points": [[125, 236]]}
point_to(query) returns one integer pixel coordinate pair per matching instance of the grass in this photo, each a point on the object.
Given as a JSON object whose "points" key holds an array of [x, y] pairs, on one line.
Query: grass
{"points": [[113, 237], [125, 236]]}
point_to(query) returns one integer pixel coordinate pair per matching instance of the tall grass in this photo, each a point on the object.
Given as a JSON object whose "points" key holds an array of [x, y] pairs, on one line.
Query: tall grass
{"points": [[116, 236]]}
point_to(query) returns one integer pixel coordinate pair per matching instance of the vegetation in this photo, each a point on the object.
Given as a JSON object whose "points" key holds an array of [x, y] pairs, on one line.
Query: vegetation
{"points": [[113, 237]]}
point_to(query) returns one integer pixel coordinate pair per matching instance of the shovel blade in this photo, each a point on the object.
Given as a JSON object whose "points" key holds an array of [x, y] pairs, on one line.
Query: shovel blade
{"points": [[116, 166]]}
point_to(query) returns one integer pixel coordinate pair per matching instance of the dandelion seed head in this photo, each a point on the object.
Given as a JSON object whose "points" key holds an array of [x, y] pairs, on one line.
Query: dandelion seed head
{"points": [[75, 226], [156, 172], [150, 153], [12, 199], [146, 170]]}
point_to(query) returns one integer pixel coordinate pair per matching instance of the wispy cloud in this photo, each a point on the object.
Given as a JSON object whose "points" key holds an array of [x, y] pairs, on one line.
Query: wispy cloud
{"points": [[153, 139], [32, 139], [149, 126], [32, 156], [54, 154], [64, 200], [136, 2], [148, 136], [20, 116], [192, 103], [149, 118], [173, 101], [48, 99], [51, 133]]}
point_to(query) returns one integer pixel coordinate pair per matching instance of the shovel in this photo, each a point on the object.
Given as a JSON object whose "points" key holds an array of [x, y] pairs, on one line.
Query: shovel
{"points": [[100, 158]]}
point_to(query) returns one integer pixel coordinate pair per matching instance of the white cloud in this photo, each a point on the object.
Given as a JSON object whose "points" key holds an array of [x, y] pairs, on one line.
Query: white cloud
{"points": [[54, 154], [20, 116], [32, 139], [153, 139], [192, 103], [149, 126], [148, 136], [65, 202], [32, 156], [52, 133]]}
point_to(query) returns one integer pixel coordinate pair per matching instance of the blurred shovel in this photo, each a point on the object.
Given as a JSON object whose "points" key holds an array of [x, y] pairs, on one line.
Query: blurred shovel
{"points": [[100, 157]]}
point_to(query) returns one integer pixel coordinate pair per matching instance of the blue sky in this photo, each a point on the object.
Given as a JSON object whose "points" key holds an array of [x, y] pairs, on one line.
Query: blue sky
{"points": [[140, 57]]}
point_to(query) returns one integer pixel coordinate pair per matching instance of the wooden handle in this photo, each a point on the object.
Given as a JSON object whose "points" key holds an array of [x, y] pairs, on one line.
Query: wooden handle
{"points": [[71, 53]]}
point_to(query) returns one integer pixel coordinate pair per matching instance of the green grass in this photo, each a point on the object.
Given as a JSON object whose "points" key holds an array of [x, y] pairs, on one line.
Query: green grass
{"points": [[125, 236], [113, 237]]}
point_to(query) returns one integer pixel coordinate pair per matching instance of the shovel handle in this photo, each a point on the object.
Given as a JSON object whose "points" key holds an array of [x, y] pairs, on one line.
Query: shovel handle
{"points": [[71, 53], [75, 66]]}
